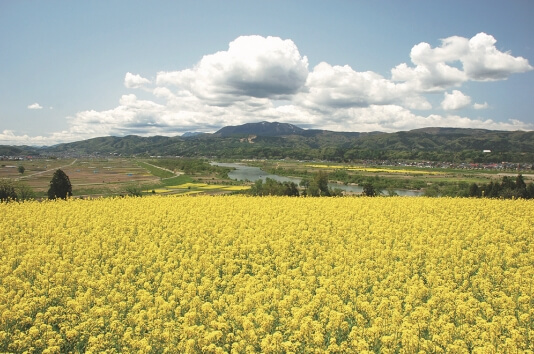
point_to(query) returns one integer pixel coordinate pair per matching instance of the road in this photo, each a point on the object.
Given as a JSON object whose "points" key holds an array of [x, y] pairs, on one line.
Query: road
{"points": [[41, 172]]}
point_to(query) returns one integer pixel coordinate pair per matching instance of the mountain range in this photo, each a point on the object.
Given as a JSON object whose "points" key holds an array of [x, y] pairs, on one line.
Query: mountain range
{"points": [[283, 140]]}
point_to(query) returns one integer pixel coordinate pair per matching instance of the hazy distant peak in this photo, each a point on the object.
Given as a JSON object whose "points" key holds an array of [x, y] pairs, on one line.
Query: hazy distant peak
{"points": [[261, 129]]}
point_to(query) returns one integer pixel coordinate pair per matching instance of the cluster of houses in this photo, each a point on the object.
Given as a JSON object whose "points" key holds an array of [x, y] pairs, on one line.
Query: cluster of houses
{"points": [[464, 165], [14, 158]]}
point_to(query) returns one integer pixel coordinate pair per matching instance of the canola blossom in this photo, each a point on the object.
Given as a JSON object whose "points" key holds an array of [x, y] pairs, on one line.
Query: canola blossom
{"points": [[377, 169], [241, 274], [202, 187]]}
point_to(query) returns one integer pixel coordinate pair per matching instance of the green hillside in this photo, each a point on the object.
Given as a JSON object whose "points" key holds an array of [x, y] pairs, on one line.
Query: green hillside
{"points": [[436, 144]]}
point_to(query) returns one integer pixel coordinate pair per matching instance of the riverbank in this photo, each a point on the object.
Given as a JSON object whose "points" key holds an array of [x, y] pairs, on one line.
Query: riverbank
{"points": [[243, 172]]}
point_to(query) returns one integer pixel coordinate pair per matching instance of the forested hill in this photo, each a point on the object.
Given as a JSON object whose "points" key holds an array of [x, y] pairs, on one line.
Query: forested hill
{"points": [[262, 128], [277, 140]]}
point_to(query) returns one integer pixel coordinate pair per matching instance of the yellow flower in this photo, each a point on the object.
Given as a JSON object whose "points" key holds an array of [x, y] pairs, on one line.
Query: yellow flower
{"points": [[238, 274]]}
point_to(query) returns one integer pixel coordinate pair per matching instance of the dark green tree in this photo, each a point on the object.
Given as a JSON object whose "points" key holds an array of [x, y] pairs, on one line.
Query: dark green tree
{"points": [[290, 189], [273, 187], [520, 187], [313, 190], [7, 191], [507, 183], [257, 188], [21, 169], [321, 179], [474, 191], [508, 189], [60, 186], [493, 190], [520, 182], [369, 190]]}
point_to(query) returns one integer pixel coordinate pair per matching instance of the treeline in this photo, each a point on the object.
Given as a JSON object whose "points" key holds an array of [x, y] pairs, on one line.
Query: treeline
{"points": [[14, 191], [191, 166], [60, 187], [347, 154], [316, 186], [342, 176], [508, 188]]}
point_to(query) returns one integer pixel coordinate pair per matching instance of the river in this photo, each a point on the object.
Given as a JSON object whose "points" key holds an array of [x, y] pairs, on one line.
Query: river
{"points": [[250, 173]]}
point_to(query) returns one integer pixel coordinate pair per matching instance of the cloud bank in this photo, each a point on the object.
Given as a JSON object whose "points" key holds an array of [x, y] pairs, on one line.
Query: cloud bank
{"points": [[267, 78]]}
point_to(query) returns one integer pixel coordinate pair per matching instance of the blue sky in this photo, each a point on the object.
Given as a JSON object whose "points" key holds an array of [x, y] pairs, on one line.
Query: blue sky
{"points": [[72, 70]]}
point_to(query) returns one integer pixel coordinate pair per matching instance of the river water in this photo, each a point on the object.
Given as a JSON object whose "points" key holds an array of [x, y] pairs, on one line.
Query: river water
{"points": [[250, 173]]}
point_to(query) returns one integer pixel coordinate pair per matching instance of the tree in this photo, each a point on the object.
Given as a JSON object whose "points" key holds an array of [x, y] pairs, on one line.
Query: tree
{"points": [[313, 190], [391, 192], [290, 189], [134, 190], [60, 186], [305, 182], [257, 188], [7, 191], [508, 188], [24, 192], [22, 169], [520, 182], [521, 187], [369, 190], [530, 191], [321, 181], [273, 187], [336, 192], [474, 191]]}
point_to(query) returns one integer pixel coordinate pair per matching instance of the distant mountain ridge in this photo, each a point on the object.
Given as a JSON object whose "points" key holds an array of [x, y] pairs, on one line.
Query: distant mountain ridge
{"points": [[261, 128], [283, 140], [190, 134]]}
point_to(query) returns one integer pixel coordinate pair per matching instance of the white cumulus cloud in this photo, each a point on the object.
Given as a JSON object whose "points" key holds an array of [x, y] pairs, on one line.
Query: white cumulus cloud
{"points": [[267, 78], [253, 66], [341, 86], [457, 60], [35, 106], [135, 81], [455, 100], [484, 105], [484, 62]]}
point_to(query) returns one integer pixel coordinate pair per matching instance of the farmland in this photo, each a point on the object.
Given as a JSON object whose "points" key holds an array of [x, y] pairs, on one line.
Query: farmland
{"points": [[113, 176], [88, 176], [95, 177], [273, 274]]}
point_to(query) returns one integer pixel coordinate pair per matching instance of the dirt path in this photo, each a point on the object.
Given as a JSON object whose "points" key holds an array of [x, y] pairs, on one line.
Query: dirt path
{"points": [[41, 172], [165, 169], [528, 175]]}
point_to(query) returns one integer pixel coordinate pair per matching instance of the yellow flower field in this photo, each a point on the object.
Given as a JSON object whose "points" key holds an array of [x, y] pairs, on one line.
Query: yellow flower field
{"points": [[378, 169], [206, 187], [273, 274]]}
